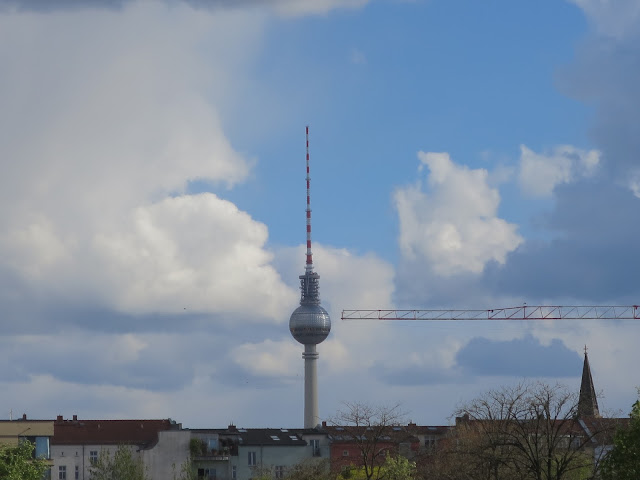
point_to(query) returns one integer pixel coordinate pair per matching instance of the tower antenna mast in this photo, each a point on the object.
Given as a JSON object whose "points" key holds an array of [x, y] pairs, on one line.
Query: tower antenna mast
{"points": [[309, 265]]}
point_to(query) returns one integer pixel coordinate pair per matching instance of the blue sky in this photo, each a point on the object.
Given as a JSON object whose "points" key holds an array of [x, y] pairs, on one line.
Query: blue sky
{"points": [[463, 154]]}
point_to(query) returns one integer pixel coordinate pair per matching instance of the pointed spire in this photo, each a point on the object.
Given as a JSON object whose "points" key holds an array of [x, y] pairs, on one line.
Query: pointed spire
{"points": [[587, 403]]}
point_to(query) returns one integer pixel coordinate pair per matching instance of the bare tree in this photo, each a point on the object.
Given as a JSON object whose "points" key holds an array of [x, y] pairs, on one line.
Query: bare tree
{"points": [[530, 431], [371, 429]]}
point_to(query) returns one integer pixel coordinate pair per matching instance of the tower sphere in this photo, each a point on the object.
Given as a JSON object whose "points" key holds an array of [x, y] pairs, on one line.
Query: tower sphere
{"points": [[310, 324]]}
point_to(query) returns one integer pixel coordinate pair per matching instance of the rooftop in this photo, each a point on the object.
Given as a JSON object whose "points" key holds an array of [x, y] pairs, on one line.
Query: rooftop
{"points": [[143, 433]]}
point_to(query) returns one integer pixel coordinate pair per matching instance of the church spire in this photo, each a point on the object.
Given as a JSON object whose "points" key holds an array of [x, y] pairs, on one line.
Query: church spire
{"points": [[587, 403]]}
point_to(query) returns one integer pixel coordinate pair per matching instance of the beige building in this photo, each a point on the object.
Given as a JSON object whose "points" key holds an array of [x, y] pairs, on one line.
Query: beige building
{"points": [[38, 432]]}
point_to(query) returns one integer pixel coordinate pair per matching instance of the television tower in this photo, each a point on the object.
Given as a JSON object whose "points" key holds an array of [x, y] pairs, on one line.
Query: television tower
{"points": [[310, 323]]}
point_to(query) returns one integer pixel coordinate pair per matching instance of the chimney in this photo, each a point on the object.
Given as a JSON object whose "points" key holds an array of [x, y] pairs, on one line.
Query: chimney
{"points": [[24, 416], [59, 418], [463, 419], [75, 418]]}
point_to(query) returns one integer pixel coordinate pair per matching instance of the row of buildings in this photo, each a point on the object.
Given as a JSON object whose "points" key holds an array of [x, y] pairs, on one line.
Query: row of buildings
{"points": [[73, 445]]}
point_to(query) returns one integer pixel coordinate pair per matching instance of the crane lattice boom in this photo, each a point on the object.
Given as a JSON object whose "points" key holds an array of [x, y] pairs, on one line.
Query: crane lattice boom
{"points": [[525, 312]]}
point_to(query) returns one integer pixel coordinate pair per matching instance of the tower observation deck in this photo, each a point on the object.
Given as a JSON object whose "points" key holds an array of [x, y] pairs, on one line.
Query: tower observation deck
{"points": [[310, 323]]}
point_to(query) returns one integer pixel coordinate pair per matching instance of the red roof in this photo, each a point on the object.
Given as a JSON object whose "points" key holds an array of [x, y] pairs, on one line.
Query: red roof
{"points": [[104, 432]]}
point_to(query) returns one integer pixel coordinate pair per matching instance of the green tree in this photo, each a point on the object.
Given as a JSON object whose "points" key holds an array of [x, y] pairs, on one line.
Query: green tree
{"points": [[18, 463], [395, 467], [122, 466], [623, 461], [309, 470], [398, 468]]}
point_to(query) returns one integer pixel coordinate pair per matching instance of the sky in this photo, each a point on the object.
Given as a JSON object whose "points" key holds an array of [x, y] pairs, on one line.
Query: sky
{"points": [[464, 154]]}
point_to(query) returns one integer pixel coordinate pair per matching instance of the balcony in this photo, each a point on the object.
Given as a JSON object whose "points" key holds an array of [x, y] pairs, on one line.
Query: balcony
{"points": [[212, 456]]}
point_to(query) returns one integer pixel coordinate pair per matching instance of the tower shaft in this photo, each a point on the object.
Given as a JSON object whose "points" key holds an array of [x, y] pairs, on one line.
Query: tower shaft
{"points": [[311, 411]]}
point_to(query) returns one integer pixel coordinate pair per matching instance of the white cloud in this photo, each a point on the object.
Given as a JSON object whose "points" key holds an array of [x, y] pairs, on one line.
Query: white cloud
{"points": [[195, 252], [541, 173], [97, 134], [634, 182], [454, 227], [268, 358], [349, 280], [614, 18]]}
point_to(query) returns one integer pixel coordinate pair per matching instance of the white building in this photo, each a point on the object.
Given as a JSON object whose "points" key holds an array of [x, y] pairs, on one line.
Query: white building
{"points": [[76, 444]]}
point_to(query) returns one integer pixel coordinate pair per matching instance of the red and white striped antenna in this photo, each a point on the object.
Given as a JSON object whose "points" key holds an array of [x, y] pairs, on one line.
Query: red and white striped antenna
{"points": [[309, 265]]}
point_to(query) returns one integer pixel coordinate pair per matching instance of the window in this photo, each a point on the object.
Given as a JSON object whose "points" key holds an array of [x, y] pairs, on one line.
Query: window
{"points": [[41, 446], [315, 447], [93, 457], [234, 472], [62, 472], [77, 472], [252, 459], [207, 473], [430, 441], [279, 471], [345, 453]]}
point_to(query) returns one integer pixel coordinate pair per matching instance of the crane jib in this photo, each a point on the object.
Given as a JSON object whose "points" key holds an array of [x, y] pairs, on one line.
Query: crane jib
{"points": [[524, 312]]}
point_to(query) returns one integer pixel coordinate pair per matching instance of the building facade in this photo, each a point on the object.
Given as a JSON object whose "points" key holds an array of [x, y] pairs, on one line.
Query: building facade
{"points": [[77, 444]]}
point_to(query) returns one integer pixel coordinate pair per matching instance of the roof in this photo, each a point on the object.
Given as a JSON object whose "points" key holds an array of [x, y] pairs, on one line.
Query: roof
{"points": [[143, 433], [603, 429], [271, 436], [429, 429], [389, 433], [260, 436]]}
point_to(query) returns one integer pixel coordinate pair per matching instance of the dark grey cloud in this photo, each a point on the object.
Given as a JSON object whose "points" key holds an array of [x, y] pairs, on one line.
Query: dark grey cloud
{"points": [[595, 223], [606, 74], [417, 287], [89, 362], [593, 256], [233, 375], [521, 357]]}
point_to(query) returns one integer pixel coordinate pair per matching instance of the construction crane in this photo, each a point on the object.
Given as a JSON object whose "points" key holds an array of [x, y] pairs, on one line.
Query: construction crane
{"points": [[524, 312]]}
